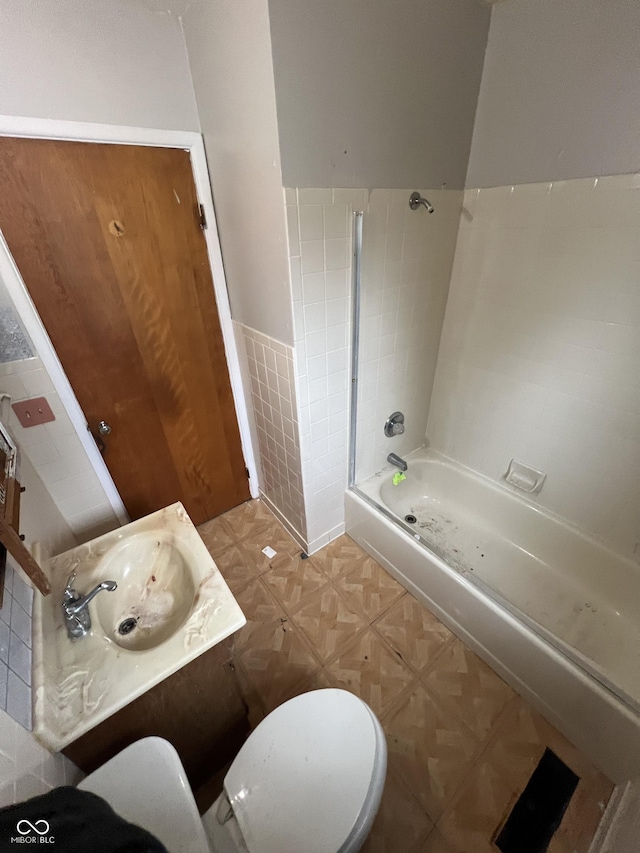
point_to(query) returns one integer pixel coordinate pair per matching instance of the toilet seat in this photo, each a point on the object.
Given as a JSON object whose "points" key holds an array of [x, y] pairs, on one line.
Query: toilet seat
{"points": [[310, 776]]}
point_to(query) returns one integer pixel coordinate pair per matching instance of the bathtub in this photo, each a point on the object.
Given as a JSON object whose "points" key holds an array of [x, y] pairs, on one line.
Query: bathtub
{"points": [[554, 611]]}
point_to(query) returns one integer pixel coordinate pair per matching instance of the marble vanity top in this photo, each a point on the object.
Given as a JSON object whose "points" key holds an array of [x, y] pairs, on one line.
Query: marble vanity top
{"points": [[79, 683]]}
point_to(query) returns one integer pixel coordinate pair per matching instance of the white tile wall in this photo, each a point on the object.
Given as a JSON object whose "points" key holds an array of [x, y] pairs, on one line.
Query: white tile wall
{"points": [[15, 649], [56, 452], [320, 229], [406, 265], [541, 346], [26, 768], [269, 372]]}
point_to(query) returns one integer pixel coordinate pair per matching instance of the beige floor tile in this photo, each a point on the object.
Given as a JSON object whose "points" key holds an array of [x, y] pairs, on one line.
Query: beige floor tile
{"points": [[236, 569], [401, 824], [276, 662], [479, 810], [249, 520], [527, 734], [294, 581], [319, 680], [275, 536], [413, 632], [470, 687], [436, 843], [338, 556], [216, 536], [430, 748], [489, 793], [259, 607], [370, 588], [368, 669], [328, 622]]}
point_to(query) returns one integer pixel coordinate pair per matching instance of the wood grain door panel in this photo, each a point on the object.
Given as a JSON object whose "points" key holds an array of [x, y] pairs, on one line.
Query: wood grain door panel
{"points": [[108, 242]]}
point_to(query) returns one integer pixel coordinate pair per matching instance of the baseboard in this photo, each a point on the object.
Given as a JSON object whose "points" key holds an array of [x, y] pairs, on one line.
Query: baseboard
{"points": [[300, 539]]}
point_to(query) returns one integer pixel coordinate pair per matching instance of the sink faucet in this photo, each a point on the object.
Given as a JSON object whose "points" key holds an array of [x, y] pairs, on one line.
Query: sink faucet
{"points": [[75, 607], [397, 461]]}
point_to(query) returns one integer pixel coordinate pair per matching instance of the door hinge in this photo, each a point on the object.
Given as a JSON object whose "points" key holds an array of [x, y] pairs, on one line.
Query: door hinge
{"points": [[246, 471], [203, 217]]}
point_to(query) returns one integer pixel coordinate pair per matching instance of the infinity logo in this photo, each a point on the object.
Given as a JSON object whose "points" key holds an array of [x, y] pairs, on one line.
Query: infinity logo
{"points": [[32, 827]]}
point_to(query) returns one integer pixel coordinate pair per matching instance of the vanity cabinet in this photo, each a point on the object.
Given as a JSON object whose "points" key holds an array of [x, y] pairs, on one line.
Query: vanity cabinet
{"points": [[199, 709]]}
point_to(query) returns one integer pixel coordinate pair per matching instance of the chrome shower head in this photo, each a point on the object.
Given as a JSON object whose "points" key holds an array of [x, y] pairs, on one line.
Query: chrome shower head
{"points": [[415, 200]]}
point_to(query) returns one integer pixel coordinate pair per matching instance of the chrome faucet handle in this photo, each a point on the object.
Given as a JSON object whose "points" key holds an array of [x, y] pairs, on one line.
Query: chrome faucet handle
{"points": [[394, 425], [69, 591]]}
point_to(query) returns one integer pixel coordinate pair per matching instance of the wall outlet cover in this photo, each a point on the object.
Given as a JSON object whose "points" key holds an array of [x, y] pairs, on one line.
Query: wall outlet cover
{"points": [[33, 412]]}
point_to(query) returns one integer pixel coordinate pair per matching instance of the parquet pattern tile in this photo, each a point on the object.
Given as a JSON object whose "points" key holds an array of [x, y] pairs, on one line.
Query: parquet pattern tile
{"points": [[483, 805], [339, 557], [216, 536], [368, 669], [319, 680], [413, 632], [488, 795], [294, 581], [276, 537], [249, 520], [431, 750], [436, 843], [525, 731], [259, 607], [235, 568], [328, 622], [462, 746], [276, 662], [472, 689], [369, 588], [401, 823]]}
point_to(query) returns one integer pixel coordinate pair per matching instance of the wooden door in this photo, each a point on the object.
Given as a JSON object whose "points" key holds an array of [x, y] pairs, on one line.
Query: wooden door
{"points": [[108, 241]]}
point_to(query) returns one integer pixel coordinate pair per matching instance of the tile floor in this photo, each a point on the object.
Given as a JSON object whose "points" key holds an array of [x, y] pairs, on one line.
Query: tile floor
{"points": [[462, 745]]}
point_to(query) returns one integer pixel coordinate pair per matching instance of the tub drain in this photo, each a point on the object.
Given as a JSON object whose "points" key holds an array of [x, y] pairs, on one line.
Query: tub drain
{"points": [[410, 519], [127, 626]]}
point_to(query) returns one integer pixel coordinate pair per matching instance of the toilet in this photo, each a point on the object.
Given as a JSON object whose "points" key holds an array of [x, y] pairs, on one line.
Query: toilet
{"points": [[308, 780]]}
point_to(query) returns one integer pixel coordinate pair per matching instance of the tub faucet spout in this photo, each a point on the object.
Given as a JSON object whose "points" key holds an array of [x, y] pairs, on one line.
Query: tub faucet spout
{"points": [[397, 461]]}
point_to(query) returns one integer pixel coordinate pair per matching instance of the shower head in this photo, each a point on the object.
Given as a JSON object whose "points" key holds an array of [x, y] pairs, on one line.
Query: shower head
{"points": [[415, 200]]}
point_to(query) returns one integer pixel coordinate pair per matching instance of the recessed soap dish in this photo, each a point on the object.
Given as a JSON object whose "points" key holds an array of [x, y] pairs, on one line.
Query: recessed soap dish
{"points": [[524, 477]]}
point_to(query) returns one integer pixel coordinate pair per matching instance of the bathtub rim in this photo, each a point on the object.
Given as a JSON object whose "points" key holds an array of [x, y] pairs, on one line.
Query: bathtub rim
{"points": [[554, 672], [428, 455]]}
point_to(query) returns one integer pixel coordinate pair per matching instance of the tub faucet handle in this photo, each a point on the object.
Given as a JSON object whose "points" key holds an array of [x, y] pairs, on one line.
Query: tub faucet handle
{"points": [[394, 425]]}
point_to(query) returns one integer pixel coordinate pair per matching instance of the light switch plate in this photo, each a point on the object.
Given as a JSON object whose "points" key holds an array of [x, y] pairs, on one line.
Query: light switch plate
{"points": [[33, 412]]}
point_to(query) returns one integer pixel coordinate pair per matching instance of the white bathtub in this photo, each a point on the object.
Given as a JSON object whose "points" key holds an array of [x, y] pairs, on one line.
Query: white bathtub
{"points": [[556, 612]]}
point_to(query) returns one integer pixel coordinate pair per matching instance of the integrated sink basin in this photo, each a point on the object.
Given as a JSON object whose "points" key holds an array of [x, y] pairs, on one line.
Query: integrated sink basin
{"points": [[155, 593], [171, 605]]}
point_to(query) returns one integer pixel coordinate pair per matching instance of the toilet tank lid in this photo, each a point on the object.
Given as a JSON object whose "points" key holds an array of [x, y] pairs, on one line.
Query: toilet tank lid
{"points": [[306, 774]]}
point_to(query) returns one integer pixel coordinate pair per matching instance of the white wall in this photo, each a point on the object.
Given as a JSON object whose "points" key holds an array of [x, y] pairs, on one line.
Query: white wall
{"points": [[559, 94], [406, 264], [26, 768], [86, 60], [541, 345], [229, 50], [372, 93], [320, 228]]}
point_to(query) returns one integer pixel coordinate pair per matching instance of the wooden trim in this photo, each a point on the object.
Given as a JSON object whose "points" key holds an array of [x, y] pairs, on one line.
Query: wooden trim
{"points": [[20, 553], [192, 142]]}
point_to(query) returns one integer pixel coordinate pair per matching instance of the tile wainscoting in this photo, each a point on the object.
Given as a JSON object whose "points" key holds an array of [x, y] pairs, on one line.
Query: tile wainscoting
{"points": [[270, 388], [541, 344]]}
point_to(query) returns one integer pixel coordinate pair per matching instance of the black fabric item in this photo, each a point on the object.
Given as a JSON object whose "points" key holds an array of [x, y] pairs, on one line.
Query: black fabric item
{"points": [[540, 808], [77, 821]]}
